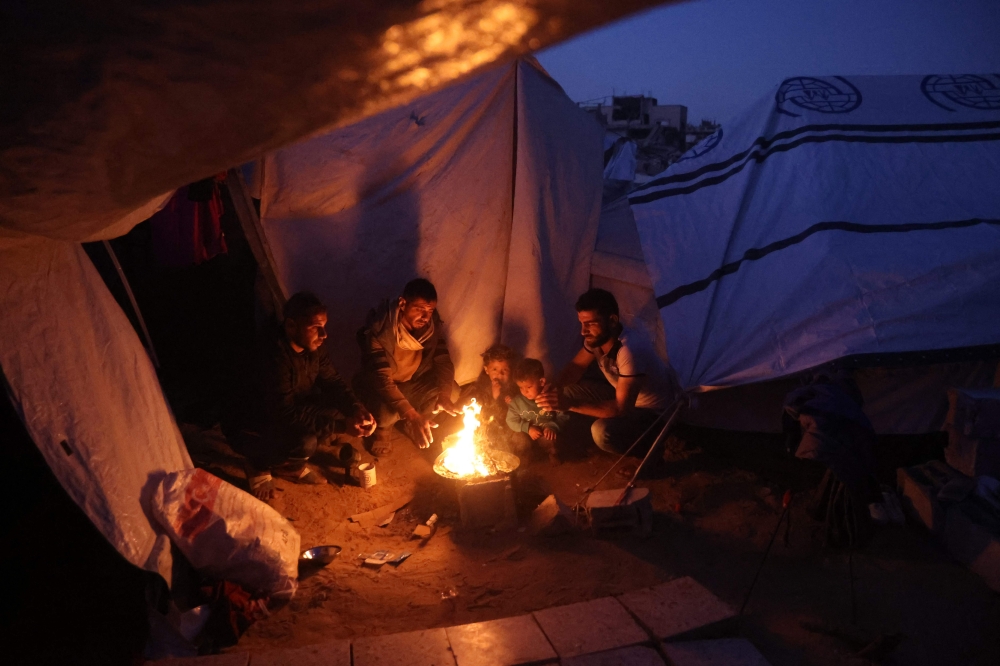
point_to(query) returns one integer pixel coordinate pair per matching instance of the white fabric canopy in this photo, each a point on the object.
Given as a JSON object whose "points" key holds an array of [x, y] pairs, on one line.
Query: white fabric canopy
{"points": [[85, 388], [836, 217], [491, 189]]}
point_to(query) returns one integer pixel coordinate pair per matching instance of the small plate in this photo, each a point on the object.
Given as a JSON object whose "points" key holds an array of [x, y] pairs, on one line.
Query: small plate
{"points": [[319, 556]]}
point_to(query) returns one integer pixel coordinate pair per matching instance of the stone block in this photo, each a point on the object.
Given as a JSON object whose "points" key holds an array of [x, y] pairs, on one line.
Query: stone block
{"points": [[918, 492], [590, 626], [972, 536], [973, 426], [721, 652], [636, 511], [637, 655], [551, 518], [230, 659], [510, 641], [333, 653], [414, 648], [680, 609]]}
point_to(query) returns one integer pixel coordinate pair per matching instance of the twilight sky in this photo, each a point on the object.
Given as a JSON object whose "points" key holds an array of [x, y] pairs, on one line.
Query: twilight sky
{"points": [[718, 56]]}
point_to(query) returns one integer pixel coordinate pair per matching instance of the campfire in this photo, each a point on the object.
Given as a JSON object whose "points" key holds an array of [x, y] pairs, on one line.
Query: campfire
{"points": [[468, 455], [485, 497]]}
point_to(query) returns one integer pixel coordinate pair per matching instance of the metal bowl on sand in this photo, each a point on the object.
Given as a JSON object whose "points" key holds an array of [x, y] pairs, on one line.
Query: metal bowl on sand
{"points": [[320, 556]]}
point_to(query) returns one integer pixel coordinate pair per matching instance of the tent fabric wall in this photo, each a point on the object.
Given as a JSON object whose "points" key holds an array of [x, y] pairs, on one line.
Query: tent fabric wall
{"points": [[618, 266], [429, 189], [836, 217], [85, 388], [557, 204]]}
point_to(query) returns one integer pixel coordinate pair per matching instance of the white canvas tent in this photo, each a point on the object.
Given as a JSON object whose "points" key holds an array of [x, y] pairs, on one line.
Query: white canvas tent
{"points": [[834, 218], [491, 189]]}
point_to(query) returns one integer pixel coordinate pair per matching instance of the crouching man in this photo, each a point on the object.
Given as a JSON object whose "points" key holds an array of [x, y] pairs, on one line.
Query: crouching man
{"points": [[637, 386], [406, 372], [305, 402]]}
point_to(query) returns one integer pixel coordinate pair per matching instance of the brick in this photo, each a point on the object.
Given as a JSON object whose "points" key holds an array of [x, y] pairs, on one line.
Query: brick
{"points": [[333, 653], [551, 518], [680, 609], [605, 512], [230, 659], [721, 652], [414, 648], [972, 536], [637, 655], [591, 626], [918, 489], [507, 642]]}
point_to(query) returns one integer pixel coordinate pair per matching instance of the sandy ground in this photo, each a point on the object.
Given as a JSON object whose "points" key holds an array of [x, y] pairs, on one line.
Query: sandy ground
{"points": [[716, 503]]}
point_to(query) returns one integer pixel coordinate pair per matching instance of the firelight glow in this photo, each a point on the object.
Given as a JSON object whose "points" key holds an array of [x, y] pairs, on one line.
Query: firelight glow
{"points": [[464, 458]]}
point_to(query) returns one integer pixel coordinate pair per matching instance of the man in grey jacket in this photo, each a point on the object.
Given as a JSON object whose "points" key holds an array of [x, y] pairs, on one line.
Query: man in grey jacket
{"points": [[406, 372]]}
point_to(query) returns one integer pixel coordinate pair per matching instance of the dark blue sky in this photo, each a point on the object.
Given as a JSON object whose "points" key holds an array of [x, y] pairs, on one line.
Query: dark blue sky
{"points": [[718, 56]]}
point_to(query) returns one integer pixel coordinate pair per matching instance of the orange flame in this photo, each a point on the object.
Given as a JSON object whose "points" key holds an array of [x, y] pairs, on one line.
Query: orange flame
{"points": [[464, 458]]}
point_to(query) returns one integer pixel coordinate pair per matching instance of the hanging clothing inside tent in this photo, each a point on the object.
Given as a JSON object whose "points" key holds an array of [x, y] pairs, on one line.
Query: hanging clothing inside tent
{"points": [[188, 230]]}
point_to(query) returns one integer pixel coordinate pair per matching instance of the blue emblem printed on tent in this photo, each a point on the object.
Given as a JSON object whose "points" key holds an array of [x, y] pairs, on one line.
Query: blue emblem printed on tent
{"points": [[704, 146], [827, 95], [968, 90]]}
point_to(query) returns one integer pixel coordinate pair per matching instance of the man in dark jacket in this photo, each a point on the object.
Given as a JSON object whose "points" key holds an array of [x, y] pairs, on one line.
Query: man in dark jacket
{"points": [[304, 401], [406, 370]]}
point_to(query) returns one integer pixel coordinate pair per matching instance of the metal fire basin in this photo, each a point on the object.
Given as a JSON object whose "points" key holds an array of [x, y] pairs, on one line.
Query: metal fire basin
{"points": [[485, 501]]}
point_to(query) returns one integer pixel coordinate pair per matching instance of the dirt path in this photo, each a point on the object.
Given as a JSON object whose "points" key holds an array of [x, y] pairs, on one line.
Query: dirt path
{"points": [[716, 507]]}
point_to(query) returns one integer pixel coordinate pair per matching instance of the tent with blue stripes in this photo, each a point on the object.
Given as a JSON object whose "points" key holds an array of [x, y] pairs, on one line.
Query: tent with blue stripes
{"points": [[839, 217]]}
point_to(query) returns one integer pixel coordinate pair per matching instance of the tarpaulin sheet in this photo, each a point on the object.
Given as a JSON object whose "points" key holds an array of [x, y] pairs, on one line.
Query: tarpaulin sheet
{"points": [[85, 388], [491, 189], [838, 216]]}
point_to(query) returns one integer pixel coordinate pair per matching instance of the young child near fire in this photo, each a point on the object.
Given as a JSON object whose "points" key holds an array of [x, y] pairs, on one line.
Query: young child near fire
{"points": [[525, 417], [493, 390]]}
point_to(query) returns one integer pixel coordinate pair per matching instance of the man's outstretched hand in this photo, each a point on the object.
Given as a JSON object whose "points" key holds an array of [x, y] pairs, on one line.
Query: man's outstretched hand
{"points": [[446, 406], [421, 428], [361, 423], [552, 400]]}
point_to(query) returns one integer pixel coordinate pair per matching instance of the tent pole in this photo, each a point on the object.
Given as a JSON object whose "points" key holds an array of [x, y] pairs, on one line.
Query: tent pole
{"points": [[239, 193], [135, 306]]}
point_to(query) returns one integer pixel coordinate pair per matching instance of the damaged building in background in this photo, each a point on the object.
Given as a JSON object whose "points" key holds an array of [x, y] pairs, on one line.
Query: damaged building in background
{"points": [[660, 132]]}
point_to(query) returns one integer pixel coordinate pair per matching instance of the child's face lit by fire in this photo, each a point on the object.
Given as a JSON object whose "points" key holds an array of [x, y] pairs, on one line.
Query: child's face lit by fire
{"points": [[498, 372], [530, 388]]}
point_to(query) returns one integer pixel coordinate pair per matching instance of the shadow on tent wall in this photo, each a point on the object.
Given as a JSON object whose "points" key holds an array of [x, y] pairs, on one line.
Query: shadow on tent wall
{"points": [[68, 596]]}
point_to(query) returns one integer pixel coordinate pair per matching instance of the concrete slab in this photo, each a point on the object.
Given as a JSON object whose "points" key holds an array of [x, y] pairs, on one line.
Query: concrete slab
{"points": [[510, 641], [414, 648], [591, 626], [721, 652], [972, 536], [918, 489], [637, 655], [680, 609], [333, 653], [232, 659]]}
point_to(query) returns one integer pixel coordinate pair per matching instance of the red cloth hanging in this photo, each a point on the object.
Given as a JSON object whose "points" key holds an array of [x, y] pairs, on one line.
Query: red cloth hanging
{"points": [[187, 232]]}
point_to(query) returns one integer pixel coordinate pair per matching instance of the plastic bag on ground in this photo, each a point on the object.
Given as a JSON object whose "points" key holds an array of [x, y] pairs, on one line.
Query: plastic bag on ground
{"points": [[228, 534]]}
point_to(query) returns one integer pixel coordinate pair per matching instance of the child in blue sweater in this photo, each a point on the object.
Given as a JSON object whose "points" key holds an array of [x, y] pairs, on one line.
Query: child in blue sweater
{"points": [[524, 415]]}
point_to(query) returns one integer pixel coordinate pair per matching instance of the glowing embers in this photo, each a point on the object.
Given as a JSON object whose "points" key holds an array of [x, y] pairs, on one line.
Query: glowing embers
{"points": [[467, 454]]}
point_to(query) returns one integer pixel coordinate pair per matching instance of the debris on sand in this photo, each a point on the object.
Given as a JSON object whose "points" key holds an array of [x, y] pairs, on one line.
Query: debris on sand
{"points": [[551, 518]]}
